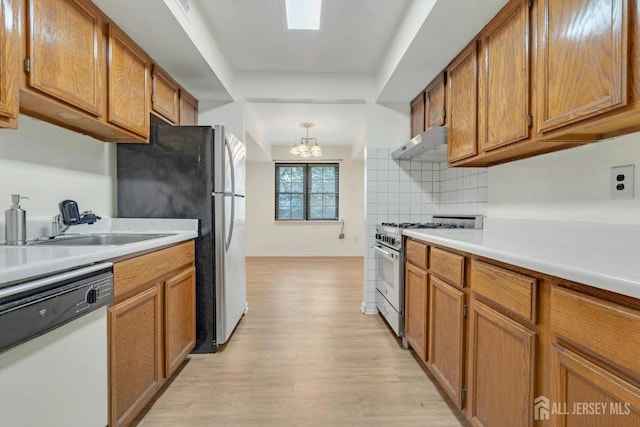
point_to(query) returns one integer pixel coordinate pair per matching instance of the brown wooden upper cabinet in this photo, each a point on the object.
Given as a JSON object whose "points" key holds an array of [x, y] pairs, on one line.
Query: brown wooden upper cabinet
{"points": [[65, 51], [188, 109], [582, 65], [128, 83], [165, 96], [504, 78], [434, 105], [462, 94], [417, 115], [9, 63]]}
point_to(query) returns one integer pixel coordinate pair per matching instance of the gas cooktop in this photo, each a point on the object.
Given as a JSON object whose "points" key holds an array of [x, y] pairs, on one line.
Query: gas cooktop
{"points": [[390, 233], [440, 221], [420, 225]]}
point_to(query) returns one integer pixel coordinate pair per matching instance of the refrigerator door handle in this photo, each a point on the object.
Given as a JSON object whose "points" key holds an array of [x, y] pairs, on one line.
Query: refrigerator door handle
{"points": [[233, 190]]}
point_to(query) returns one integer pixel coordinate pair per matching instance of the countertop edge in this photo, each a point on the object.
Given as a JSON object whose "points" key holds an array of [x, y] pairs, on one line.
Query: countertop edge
{"points": [[577, 273], [53, 260]]}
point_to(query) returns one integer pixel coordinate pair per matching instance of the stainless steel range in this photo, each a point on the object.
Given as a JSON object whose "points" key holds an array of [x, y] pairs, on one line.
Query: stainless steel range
{"points": [[390, 257]]}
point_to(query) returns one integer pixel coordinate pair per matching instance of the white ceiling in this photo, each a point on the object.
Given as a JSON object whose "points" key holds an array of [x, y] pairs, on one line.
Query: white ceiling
{"points": [[278, 124], [387, 40], [353, 37]]}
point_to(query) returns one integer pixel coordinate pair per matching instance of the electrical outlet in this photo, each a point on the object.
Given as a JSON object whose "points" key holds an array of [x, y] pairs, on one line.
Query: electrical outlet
{"points": [[621, 182]]}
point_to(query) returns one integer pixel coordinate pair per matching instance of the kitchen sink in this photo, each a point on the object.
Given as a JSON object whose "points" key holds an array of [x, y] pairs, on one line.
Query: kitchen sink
{"points": [[106, 239]]}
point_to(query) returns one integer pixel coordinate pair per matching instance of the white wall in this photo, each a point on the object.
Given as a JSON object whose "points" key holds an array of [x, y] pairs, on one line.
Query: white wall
{"points": [[265, 237], [49, 164], [230, 115], [569, 185]]}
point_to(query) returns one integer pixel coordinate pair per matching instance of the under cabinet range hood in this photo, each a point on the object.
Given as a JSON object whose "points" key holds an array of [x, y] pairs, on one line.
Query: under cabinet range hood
{"points": [[429, 146]]}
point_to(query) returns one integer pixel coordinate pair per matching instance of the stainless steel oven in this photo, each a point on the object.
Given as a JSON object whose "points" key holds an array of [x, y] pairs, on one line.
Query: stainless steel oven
{"points": [[390, 256], [390, 277]]}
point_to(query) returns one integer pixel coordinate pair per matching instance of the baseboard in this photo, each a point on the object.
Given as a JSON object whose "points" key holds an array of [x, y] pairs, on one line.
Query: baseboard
{"points": [[305, 254], [369, 308]]}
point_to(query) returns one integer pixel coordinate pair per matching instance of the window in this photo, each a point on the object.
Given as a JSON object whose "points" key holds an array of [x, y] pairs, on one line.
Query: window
{"points": [[307, 191]]}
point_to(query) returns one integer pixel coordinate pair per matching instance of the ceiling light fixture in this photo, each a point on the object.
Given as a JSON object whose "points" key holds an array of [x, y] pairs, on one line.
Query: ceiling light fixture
{"points": [[306, 146], [303, 14]]}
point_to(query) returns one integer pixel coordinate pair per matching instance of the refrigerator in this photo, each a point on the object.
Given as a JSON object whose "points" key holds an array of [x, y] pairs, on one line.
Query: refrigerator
{"points": [[195, 172]]}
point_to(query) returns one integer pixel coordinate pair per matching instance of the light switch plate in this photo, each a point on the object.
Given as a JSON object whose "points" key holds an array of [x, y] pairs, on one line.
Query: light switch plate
{"points": [[621, 182]]}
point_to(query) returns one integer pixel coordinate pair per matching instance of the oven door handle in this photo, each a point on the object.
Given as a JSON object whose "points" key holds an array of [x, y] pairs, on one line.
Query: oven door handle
{"points": [[388, 255]]}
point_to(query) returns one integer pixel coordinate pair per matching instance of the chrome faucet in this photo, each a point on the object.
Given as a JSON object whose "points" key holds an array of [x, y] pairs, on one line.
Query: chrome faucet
{"points": [[69, 215], [57, 227]]}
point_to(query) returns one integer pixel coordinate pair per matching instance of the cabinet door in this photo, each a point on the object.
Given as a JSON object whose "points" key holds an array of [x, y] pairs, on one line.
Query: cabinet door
{"points": [[446, 337], [417, 115], [434, 108], [504, 78], [165, 95], [135, 351], [582, 55], [462, 97], [128, 96], [501, 369], [179, 318], [9, 60], [64, 45], [578, 385], [188, 109], [416, 306]]}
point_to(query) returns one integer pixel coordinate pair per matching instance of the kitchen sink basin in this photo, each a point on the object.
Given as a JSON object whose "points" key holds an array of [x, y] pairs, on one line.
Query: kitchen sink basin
{"points": [[106, 239]]}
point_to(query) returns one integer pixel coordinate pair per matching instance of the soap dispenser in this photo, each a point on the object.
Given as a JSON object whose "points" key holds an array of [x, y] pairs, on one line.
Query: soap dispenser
{"points": [[15, 222]]}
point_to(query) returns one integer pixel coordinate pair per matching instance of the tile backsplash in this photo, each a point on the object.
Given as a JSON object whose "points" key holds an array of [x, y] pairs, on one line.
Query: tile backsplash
{"points": [[413, 191]]}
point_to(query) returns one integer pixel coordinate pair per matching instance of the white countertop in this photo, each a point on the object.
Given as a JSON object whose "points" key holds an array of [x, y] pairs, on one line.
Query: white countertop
{"points": [[605, 256], [20, 263]]}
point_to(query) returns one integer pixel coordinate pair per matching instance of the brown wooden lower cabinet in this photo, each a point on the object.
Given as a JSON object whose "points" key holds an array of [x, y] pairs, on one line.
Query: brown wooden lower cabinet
{"points": [[179, 317], [446, 337], [135, 327], [534, 350], [501, 369], [584, 394], [416, 306], [151, 326]]}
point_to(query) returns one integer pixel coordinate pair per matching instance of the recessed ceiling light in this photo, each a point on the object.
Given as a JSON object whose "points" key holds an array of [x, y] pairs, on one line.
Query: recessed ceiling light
{"points": [[303, 14]]}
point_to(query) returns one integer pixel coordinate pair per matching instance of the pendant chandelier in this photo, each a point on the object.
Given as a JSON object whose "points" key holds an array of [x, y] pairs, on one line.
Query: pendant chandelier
{"points": [[306, 146]]}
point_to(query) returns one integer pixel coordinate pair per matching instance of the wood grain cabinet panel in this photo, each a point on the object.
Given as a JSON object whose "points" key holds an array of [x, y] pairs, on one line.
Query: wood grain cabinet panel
{"points": [[179, 318], [446, 338], [133, 272], [128, 83], [136, 360], [64, 48], [462, 104], [577, 381], [9, 59], [165, 95], [598, 327], [505, 77], [434, 102], [417, 115], [188, 109], [517, 293], [447, 266], [582, 67], [417, 253], [501, 369], [416, 309]]}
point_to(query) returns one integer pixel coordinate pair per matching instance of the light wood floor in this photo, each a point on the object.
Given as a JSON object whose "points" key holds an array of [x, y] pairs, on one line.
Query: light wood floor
{"points": [[303, 355]]}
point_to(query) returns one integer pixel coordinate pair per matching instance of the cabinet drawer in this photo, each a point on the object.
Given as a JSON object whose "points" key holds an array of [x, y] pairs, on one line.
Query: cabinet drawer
{"points": [[516, 292], [447, 266], [417, 253], [599, 327], [133, 272]]}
